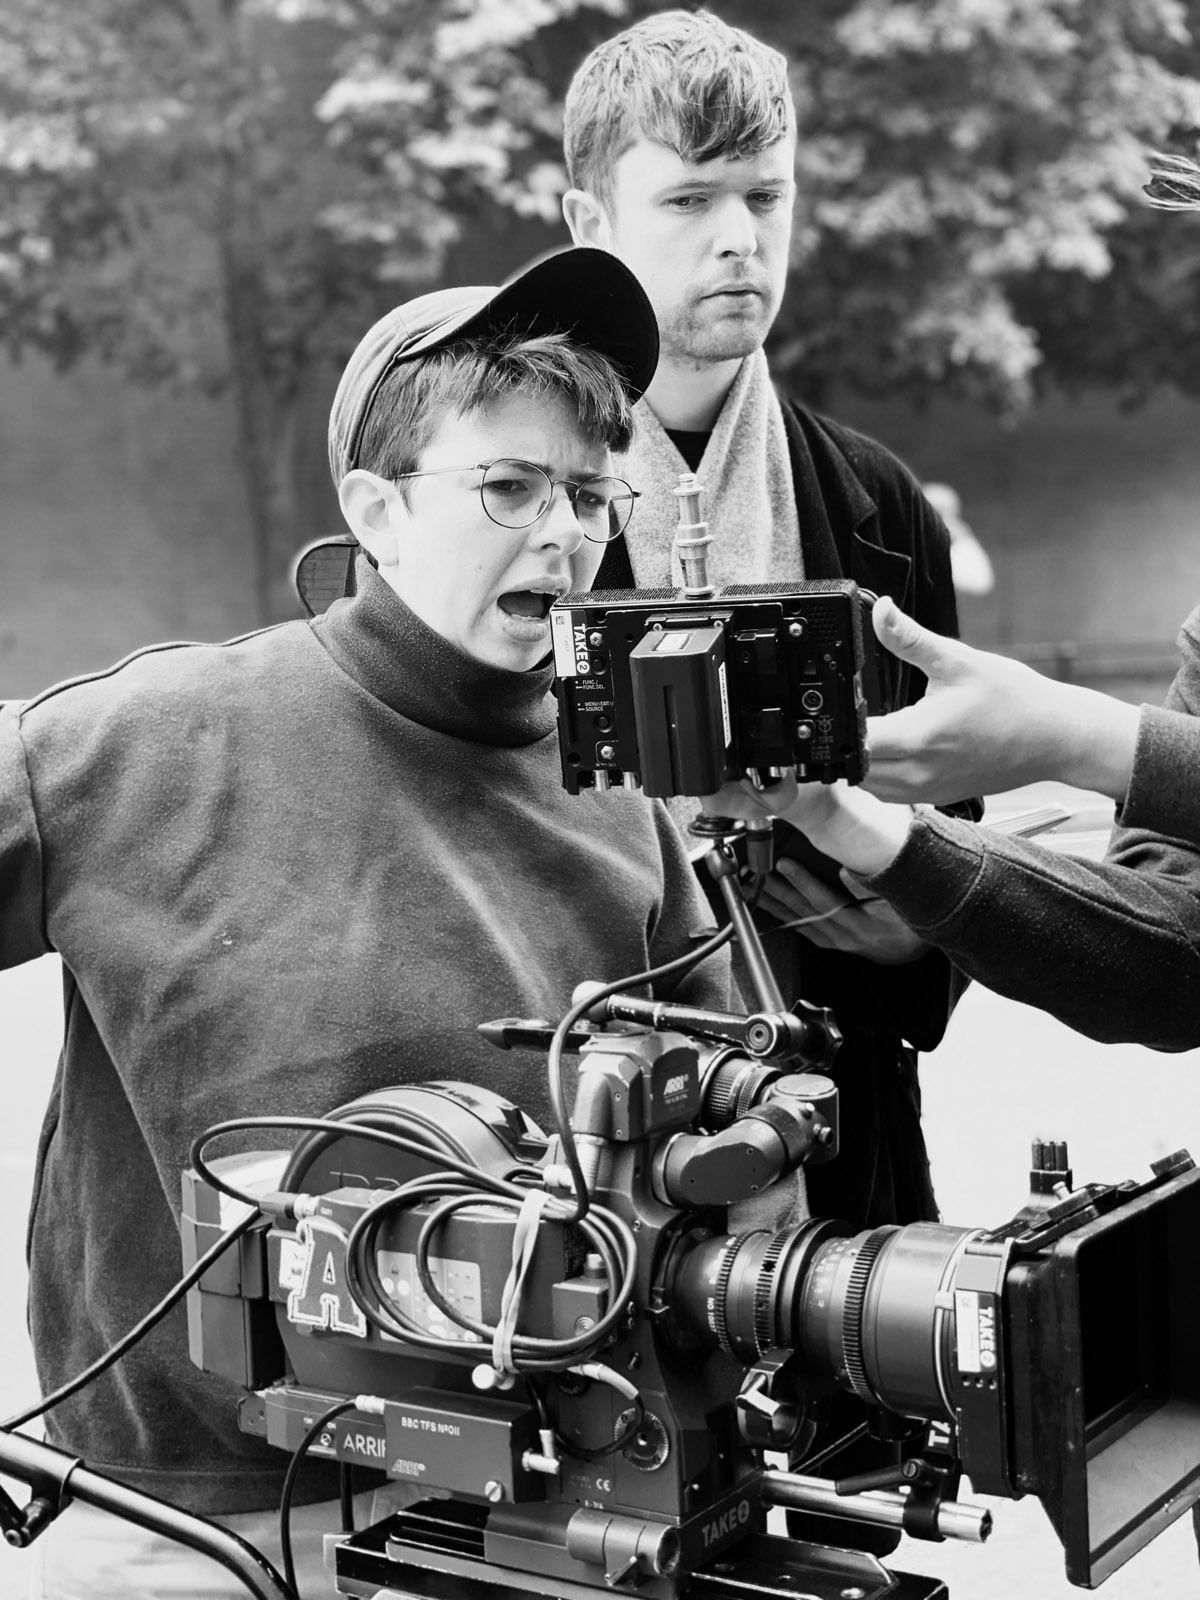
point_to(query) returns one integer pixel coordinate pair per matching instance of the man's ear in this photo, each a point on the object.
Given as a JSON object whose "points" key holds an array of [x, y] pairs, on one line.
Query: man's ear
{"points": [[587, 219], [367, 501]]}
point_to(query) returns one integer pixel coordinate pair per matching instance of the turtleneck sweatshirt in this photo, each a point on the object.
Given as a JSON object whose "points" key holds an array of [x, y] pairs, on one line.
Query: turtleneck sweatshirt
{"points": [[281, 872]]}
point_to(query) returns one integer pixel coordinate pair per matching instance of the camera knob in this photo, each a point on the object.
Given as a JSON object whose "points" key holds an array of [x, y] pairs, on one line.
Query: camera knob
{"points": [[650, 1445]]}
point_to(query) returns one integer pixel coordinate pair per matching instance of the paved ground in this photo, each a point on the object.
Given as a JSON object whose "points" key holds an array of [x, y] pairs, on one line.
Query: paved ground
{"points": [[1003, 1075]]}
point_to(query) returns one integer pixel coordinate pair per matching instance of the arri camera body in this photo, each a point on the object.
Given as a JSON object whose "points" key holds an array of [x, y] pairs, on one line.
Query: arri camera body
{"points": [[674, 691], [582, 1367]]}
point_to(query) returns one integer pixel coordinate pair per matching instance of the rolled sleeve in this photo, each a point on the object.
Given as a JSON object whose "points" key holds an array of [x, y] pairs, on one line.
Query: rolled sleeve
{"points": [[1164, 788]]}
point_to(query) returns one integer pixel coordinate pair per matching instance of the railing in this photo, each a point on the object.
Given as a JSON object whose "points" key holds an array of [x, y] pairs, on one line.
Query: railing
{"points": [[1130, 669]]}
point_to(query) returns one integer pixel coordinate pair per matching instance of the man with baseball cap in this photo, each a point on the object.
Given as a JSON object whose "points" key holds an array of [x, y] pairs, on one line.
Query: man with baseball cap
{"points": [[305, 864]]}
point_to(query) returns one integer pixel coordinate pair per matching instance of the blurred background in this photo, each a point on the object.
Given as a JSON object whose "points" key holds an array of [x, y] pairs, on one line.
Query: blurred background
{"points": [[203, 204]]}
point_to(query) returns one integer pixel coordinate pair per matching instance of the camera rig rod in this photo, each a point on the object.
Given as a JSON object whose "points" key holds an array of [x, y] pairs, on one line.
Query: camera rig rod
{"points": [[810, 1034], [722, 867], [954, 1519], [58, 1478]]}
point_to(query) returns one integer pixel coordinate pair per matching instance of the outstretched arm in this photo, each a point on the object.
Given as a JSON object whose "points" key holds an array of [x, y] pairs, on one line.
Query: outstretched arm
{"points": [[1112, 948], [987, 723]]}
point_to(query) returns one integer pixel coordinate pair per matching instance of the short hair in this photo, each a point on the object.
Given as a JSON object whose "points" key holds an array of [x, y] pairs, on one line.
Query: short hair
{"points": [[469, 373], [684, 79]]}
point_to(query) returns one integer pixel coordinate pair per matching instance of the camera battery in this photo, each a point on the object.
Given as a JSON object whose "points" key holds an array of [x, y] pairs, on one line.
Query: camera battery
{"points": [[681, 699]]}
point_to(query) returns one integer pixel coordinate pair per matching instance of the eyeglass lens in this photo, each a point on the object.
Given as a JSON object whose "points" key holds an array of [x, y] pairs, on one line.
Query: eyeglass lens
{"points": [[516, 493]]}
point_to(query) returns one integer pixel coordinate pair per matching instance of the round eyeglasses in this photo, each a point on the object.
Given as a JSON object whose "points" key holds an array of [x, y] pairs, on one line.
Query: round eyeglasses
{"points": [[516, 493]]}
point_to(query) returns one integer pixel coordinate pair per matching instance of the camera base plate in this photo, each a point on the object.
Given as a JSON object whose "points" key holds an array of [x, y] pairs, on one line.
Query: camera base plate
{"points": [[761, 1567]]}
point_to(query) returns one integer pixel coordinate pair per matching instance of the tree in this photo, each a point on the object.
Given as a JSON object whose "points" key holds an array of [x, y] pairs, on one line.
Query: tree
{"points": [[1137, 328], [224, 193], [951, 151], [952, 154], [186, 196]]}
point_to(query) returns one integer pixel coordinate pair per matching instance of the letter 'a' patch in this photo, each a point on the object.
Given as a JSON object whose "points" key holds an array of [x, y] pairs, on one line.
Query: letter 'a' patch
{"points": [[321, 1297]]}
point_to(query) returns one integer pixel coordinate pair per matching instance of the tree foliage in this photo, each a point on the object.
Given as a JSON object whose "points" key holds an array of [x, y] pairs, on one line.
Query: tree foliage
{"points": [[223, 193], [950, 151]]}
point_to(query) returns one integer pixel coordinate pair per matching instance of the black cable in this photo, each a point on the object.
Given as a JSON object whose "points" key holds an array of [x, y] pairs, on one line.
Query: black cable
{"points": [[598, 1452], [562, 1123], [819, 916], [539, 1399], [608, 1236], [139, 1331], [155, 1315], [289, 1484], [807, 1463], [363, 1130]]}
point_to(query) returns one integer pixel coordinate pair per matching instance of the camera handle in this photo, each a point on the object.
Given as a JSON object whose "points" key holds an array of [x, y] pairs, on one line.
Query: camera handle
{"points": [[940, 1518], [57, 1478]]}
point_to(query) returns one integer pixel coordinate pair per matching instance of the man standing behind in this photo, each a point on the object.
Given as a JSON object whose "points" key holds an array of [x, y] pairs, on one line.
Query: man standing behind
{"points": [[680, 139]]}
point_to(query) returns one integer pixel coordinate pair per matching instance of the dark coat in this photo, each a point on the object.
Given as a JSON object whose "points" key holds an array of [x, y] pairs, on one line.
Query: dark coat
{"points": [[863, 516]]}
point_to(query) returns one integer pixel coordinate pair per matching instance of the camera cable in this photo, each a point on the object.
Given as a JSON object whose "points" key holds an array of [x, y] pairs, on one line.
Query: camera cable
{"points": [[458, 1186], [289, 1484], [562, 1122], [820, 916], [607, 1235], [138, 1331]]}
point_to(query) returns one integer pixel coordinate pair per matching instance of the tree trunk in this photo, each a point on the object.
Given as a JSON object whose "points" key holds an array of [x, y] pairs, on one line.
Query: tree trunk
{"points": [[260, 461]]}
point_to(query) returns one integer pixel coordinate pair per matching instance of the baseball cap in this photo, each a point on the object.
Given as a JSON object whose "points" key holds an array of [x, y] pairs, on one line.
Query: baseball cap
{"points": [[581, 291]]}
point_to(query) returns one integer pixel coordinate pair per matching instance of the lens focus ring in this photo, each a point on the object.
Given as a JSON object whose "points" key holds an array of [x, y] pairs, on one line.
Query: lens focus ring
{"points": [[852, 1310], [764, 1292], [720, 1317]]}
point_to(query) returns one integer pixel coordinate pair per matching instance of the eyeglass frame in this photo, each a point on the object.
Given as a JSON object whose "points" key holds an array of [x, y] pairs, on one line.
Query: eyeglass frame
{"points": [[567, 483]]}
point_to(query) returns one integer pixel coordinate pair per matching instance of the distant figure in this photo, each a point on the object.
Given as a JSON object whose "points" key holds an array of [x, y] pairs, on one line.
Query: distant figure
{"points": [[969, 564]]}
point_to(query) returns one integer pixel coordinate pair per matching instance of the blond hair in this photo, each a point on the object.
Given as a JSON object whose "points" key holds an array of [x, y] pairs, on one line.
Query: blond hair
{"points": [[684, 79]]}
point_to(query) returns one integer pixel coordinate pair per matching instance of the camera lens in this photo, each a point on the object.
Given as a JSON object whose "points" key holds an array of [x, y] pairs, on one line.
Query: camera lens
{"points": [[868, 1309]]}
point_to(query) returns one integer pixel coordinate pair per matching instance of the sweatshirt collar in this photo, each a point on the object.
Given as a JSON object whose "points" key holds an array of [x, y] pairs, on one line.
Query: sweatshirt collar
{"points": [[400, 660]]}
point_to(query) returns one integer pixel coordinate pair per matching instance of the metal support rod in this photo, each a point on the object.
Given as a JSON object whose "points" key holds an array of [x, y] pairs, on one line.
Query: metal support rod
{"points": [[692, 538], [884, 1508], [722, 864]]}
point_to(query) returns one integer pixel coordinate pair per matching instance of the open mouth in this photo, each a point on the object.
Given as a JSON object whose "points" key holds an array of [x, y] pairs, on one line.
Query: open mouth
{"points": [[526, 603]]}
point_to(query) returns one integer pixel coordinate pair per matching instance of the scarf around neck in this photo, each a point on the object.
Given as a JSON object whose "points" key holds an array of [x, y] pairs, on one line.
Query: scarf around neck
{"points": [[748, 502]]}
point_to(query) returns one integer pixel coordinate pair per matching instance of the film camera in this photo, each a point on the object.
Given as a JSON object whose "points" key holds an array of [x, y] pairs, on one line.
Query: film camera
{"points": [[584, 1367]]}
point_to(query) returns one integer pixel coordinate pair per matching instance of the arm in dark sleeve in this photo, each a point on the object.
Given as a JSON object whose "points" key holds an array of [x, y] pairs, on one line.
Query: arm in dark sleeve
{"points": [[1164, 788], [22, 930], [1111, 948]]}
